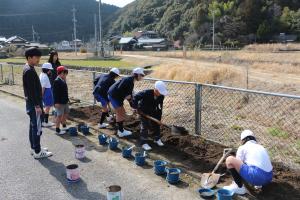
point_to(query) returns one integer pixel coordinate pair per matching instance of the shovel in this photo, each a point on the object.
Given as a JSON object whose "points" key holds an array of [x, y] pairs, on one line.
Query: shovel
{"points": [[210, 180], [175, 130]]}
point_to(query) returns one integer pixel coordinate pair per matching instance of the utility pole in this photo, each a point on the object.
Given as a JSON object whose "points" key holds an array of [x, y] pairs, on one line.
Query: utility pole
{"points": [[213, 48], [33, 34], [100, 30], [74, 26], [96, 39]]}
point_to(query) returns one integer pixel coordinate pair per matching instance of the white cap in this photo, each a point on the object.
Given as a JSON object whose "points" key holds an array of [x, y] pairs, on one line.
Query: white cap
{"points": [[138, 71], [116, 71], [161, 87], [246, 133], [47, 66]]}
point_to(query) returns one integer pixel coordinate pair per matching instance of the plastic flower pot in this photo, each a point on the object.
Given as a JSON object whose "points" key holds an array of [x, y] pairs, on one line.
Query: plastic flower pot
{"points": [[160, 167], [113, 143], [225, 194], [173, 175], [140, 159], [102, 139], [85, 130], [73, 131], [73, 174], [206, 193], [126, 152]]}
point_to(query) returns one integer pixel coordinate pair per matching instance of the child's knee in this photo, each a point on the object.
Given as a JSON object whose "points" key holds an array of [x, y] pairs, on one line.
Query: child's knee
{"points": [[230, 161]]}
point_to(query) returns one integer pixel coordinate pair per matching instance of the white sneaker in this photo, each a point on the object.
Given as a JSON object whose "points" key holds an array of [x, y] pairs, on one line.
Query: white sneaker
{"points": [[235, 188], [61, 132], [258, 187], [43, 149], [104, 125], [124, 133], [42, 154], [65, 129], [159, 143], [146, 147], [49, 124], [110, 118]]}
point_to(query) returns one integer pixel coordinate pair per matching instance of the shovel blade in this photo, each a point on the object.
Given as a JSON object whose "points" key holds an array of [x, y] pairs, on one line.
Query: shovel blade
{"points": [[178, 130], [209, 180]]}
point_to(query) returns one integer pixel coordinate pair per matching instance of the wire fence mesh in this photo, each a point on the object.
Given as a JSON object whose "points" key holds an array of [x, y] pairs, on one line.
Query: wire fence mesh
{"points": [[217, 113]]}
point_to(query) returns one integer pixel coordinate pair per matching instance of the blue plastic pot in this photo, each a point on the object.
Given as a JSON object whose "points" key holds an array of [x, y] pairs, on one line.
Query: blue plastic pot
{"points": [[225, 194], [206, 193], [85, 130], [126, 152], [173, 175], [140, 159], [102, 139], [113, 143], [73, 131], [160, 167]]}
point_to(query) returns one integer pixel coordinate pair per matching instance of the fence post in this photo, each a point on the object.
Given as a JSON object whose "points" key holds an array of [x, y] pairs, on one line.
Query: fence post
{"points": [[198, 105], [12, 74], [94, 78], [1, 71]]}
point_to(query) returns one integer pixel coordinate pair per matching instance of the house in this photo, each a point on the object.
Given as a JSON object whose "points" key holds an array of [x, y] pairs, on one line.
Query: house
{"points": [[127, 43], [79, 43], [155, 44], [16, 41], [146, 34], [282, 37], [63, 46], [2, 40]]}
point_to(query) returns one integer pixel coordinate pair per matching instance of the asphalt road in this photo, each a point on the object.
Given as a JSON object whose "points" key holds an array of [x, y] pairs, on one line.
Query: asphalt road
{"points": [[22, 177]]}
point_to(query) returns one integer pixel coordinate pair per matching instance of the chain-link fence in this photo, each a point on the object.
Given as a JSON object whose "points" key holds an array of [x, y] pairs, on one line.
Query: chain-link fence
{"points": [[214, 112]]}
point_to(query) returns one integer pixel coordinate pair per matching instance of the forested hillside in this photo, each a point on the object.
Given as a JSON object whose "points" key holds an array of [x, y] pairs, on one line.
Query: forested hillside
{"points": [[239, 21], [52, 19]]}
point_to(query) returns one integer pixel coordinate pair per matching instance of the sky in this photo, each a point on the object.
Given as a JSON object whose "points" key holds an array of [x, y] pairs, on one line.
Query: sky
{"points": [[120, 3]]}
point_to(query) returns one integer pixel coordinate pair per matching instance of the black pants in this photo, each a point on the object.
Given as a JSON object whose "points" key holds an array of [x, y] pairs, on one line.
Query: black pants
{"points": [[147, 125], [35, 128]]}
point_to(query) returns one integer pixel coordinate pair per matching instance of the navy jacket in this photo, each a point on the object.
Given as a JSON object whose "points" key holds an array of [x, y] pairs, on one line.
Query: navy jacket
{"points": [[103, 83], [121, 89], [148, 104], [32, 86], [60, 91]]}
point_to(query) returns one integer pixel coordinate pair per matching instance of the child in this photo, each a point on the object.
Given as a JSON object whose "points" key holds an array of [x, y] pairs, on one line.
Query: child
{"points": [[46, 92], [34, 106], [61, 99], [251, 164], [150, 102], [103, 83], [54, 61], [120, 91]]}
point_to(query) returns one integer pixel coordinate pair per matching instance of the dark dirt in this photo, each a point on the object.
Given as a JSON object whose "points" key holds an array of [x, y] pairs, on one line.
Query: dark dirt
{"points": [[200, 156]]}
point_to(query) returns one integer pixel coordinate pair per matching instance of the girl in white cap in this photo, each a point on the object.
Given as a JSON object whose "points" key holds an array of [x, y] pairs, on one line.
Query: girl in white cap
{"points": [[150, 102], [46, 92], [120, 91], [252, 164]]}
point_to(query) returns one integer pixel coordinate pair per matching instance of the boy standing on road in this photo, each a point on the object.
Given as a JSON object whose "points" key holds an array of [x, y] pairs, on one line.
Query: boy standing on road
{"points": [[34, 106], [150, 102], [61, 99], [102, 85], [46, 92]]}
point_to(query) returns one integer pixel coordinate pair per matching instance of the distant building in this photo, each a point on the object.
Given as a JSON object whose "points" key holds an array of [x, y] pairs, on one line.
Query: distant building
{"points": [[146, 34], [2, 40], [63, 46], [127, 43], [152, 44], [16, 41], [284, 38]]}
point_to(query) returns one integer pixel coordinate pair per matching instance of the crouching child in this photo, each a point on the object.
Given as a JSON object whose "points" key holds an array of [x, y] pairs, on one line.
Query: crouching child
{"points": [[252, 165], [61, 99]]}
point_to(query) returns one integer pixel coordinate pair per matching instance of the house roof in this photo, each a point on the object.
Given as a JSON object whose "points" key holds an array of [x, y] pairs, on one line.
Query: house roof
{"points": [[151, 40], [125, 40], [2, 39], [9, 40]]}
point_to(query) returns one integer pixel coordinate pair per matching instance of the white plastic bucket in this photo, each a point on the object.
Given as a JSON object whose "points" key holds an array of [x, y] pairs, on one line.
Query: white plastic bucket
{"points": [[79, 152], [114, 193], [73, 173]]}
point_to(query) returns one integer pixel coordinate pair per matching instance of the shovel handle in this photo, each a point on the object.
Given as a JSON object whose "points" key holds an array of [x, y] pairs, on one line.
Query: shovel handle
{"points": [[154, 120], [221, 160]]}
